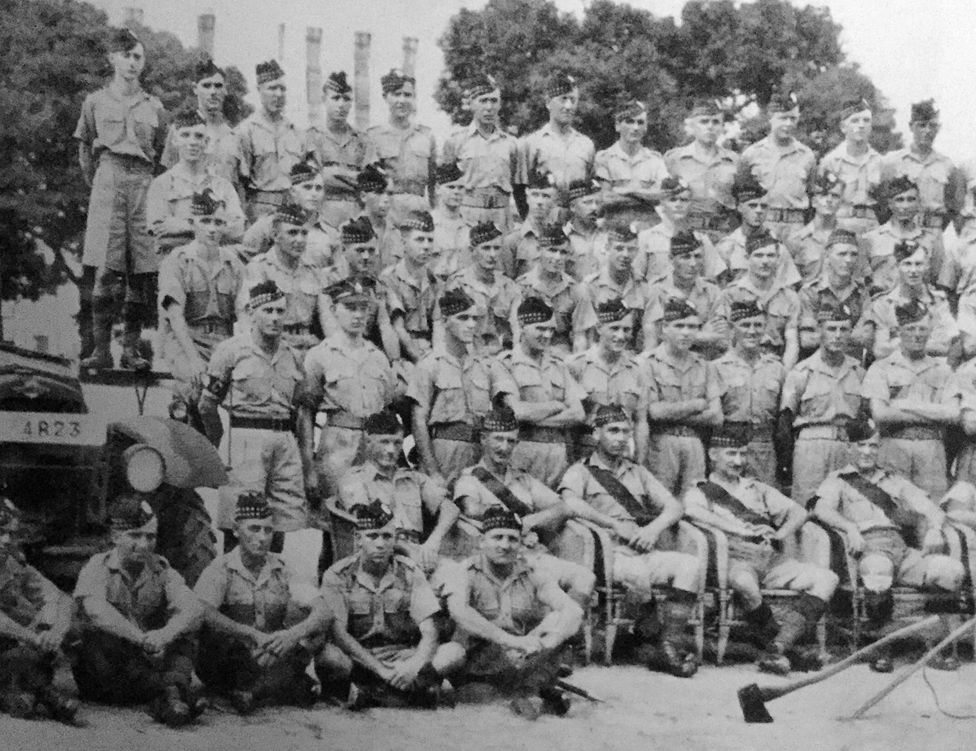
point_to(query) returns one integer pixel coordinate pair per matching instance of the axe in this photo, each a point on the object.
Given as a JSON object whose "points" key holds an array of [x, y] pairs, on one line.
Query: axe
{"points": [[752, 698]]}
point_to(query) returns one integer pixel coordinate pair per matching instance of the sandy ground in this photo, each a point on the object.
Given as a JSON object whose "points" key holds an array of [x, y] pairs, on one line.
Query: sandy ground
{"points": [[643, 710]]}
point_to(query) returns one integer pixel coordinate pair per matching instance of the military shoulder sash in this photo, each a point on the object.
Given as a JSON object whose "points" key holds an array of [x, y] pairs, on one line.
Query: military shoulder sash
{"points": [[879, 497], [619, 492], [719, 496], [494, 486]]}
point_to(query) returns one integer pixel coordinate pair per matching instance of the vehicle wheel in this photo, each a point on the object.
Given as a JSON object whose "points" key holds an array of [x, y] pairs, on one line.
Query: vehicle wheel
{"points": [[186, 537]]}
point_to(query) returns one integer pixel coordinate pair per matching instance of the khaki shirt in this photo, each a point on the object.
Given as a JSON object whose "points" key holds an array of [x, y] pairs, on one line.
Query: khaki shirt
{"points": [[808, 246], [493, 303], [409, 154], [622, 383], [222, 152], [934, 175], [337, 154], [896, 377], [781, 305], [653, 257], [26, 595], [411, 298], [268, 150], [171, 194], [259, 601], [206, 292], [260, 385], [600, 287], [732, 248], [703, 297], [754, 495], [302, 285], [590, 249], [384, 613], [148, 600], [820, 395], [857, 508], [709, 176], [563, 296], [452, 390], [520, 249], [784, 172], [670, 380], [452, 244], [860, 175], [358, 380], [568, 158], [474, 499], [407, 492], [131, 126], [879, 247], [882, 315], [513, 605], [514, 372], [644, 170], [486, 161], [645, 488], [750, 391]]}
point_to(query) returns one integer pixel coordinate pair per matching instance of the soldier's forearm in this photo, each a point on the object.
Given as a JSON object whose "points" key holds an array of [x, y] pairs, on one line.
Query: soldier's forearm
{"points": [[664, 411], [13, 630], [186, 619], [106, 618], [477, 625], [225, 625], [927, 411], [447, 515], [356, 651]]}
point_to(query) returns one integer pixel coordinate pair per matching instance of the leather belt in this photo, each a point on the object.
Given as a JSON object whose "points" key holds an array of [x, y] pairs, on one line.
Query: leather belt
{"points": [[210, 327], [413, 187], [911, 433], [682, 431], [757, 433], [542, 434], [485, 198], [295, 328], [269, 197], [862, 211], [455, 431], [790, 216], [129, 161], [279, 424], [343, 419], [823, 433]]}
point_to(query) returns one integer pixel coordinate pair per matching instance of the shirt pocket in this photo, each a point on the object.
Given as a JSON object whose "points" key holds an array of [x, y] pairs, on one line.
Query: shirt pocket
{"points": [[111, 129], [479, 391], [145, 124], [670, 387], [817, 396], [252, 378]]}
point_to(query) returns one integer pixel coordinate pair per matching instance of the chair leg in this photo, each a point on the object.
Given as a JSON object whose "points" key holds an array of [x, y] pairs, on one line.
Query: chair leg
{"points": [[724, 625], [822, 636], [609, 638], [588, 637], [857, 608], [700, 627]]}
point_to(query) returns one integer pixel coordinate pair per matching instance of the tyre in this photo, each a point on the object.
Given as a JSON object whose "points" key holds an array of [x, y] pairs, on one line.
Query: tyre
{"points": [[186, 537]]}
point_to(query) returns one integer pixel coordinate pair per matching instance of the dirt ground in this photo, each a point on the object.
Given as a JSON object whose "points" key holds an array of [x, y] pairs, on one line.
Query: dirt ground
{"points": [[643, 710]]}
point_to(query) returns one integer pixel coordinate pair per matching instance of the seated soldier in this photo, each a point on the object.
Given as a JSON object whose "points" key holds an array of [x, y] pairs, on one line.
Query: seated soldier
{"points": [[493, 483], [410, 494], [610, 490], [513, 620], [757, 519], [138, 618], [256, 641], [871, 506], [383, 648], [34, 618]]}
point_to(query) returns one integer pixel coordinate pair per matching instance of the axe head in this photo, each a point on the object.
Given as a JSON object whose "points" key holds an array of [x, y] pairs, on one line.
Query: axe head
{"points": [[753, 704]]}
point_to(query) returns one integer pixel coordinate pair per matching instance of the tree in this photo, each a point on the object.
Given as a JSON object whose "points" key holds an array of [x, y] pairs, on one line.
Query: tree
{"points": [[52, 53], [738, 53]]}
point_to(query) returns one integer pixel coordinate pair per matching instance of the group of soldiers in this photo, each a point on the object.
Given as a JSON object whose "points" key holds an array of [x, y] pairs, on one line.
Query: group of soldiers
{"points": [[509, 334]]}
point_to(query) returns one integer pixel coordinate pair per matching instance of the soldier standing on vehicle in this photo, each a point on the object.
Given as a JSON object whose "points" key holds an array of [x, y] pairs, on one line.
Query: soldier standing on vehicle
{"points": [[119, 134]]}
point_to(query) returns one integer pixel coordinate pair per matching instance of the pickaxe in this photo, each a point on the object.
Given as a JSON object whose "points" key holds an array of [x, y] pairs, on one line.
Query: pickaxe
{"points": [[752, 698]]}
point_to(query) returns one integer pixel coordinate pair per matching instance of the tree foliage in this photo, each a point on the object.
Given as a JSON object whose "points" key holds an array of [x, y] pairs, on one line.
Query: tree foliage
{"points": [[52, 53], [738, 53]]}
